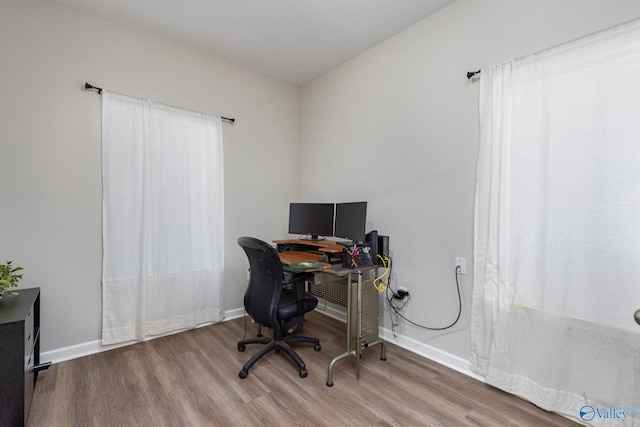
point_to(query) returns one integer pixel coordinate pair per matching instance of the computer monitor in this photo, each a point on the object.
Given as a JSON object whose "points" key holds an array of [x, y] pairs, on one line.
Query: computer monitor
{"points": [[311, 219], [351, 221]]}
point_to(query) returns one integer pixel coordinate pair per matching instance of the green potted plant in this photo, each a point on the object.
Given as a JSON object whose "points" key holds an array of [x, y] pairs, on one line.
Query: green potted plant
{"points": [[9, 279]]}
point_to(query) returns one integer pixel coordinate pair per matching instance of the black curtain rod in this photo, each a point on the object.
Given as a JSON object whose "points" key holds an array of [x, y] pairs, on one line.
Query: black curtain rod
{"points": [[472, 73], [89, 86]]}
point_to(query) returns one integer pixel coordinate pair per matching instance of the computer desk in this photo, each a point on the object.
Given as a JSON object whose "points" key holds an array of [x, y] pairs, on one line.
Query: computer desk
{"points": [[362, 297]]}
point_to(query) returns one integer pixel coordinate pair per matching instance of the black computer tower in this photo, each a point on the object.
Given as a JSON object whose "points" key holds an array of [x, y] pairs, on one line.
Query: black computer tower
{"points": [[383, 246], [372, 242]]}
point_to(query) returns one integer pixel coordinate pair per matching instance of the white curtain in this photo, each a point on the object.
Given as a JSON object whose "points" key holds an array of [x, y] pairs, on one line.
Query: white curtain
{"points": [[162, 218], [557, 228]]}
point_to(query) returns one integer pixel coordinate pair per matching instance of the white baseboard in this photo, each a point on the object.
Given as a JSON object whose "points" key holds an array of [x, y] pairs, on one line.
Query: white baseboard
{"points": [[444, 358], [425, 350], [340, 315], [75, 351], [93, 347], [234, 314]]}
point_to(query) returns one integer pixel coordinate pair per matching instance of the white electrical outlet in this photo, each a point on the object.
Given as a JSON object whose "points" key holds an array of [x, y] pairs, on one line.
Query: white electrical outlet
{"points": [[460, 266]]}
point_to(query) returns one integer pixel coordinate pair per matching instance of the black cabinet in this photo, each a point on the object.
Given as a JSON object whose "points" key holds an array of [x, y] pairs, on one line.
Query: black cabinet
{"points": [[19, 354]]}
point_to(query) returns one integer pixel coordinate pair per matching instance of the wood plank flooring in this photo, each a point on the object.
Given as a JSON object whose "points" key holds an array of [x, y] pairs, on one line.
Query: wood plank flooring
{"points": [[191, 379]]}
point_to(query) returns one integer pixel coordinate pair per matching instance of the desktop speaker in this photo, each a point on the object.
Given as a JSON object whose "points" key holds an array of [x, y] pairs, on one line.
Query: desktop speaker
{"points": [[372, 242]]}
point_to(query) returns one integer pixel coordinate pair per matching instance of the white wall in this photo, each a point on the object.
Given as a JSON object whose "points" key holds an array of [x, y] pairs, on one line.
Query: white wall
{"points": [[50, 154], [398, 126]]}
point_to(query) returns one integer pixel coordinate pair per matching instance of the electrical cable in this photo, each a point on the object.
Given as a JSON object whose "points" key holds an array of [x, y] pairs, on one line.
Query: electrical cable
{"points": [[397, 310], [245, 325], [382, 282], [395, 322]]}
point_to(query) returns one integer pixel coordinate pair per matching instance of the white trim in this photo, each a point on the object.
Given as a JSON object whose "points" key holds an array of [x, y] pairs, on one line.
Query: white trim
{"points": [[75, 351], [442, 357], [93, 347], [425, 350], [432, 353], [233, 314], [340, 315]]}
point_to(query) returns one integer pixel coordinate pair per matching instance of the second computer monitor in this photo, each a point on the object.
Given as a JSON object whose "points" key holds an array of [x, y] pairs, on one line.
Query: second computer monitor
{"points": [[351, 221]]}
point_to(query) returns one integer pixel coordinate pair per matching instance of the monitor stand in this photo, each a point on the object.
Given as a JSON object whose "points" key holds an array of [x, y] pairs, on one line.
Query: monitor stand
{"points": [[312, 237]]}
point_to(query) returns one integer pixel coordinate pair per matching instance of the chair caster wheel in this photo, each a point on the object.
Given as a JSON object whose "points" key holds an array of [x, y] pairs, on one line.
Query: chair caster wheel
{"points": [[329, 384], [316, 347], [241, 347], [243, 374], [303, 373]]}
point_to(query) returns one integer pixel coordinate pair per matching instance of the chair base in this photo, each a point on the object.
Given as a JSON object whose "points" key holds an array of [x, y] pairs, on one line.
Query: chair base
{"points": [[277, 345]]}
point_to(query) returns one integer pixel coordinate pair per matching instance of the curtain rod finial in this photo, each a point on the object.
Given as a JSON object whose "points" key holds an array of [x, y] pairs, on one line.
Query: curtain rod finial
{"points": [[89, 86], [472, 73]]}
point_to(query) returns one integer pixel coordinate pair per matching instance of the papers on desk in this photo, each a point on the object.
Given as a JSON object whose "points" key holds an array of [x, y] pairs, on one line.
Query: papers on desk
{"points": [[299, 267]]}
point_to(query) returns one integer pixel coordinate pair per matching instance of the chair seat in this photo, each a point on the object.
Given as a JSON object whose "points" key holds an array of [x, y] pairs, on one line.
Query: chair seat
{"points": [[288, 305]]}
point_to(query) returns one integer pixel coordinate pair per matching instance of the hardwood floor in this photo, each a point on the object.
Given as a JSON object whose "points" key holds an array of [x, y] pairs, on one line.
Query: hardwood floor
{"points": [[191, 379]]}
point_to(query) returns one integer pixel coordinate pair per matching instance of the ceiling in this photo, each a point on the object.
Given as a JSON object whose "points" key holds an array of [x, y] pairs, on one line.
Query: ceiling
{"points": [[292, 40]]}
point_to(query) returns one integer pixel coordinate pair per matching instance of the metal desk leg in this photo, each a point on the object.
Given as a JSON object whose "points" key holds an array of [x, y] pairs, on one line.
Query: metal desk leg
{"points": [[333, 362], [349, 351], [359, 342], [356, 340]]}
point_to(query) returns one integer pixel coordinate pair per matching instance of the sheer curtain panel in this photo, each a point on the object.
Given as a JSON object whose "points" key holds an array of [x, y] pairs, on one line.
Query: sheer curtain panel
{"points": [[557, 228], [162, 219]]}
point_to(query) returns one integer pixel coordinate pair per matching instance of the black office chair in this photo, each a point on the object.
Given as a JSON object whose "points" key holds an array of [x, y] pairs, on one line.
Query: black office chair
{"points": [[271, 306]]}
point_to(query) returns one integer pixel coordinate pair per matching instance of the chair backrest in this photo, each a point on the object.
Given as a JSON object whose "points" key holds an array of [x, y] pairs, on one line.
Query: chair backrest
{"points": [[265, 281]]}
